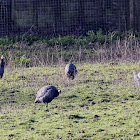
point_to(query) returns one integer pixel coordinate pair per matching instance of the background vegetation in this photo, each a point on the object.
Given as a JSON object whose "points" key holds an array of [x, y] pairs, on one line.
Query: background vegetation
{"points": [[27, 50], [101, 103]]}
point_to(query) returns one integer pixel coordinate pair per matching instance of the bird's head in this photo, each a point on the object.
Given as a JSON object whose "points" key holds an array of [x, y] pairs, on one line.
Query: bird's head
{"points": [[59, 91], [2, 57]]}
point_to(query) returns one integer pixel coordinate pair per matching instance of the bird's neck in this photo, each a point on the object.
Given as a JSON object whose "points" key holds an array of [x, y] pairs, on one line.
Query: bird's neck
{"points": [[2, 63]]}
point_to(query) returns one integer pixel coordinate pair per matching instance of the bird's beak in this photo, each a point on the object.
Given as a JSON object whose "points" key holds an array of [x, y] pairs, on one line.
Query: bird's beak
{"points": [[59, 91]]}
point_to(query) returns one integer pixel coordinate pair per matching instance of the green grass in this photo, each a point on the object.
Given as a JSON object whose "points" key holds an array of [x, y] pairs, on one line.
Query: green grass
{"points": [[101, 103]]}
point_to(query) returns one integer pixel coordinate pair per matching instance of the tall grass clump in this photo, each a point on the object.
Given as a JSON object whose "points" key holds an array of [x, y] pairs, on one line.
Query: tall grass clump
{"points": [[92, 47]]}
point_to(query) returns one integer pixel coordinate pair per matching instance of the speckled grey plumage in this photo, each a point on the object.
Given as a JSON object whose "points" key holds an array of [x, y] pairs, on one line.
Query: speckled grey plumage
{"points": [[70, 71], [137, 77], [46, 94]]}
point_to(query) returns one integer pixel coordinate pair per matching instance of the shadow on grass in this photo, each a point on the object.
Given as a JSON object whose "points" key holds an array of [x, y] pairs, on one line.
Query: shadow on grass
{"points": [[69, 97], [75, 117]]}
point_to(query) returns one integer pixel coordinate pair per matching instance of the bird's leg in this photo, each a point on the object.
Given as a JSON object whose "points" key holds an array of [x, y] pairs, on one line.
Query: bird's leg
{"points": [[69, 83], [46, 105]]}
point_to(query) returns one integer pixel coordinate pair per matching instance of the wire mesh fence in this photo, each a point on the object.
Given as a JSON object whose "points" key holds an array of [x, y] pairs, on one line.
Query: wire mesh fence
{"points": [[67, 16]]}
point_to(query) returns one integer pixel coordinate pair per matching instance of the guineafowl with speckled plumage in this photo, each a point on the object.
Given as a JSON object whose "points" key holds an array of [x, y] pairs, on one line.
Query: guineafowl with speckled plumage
{"points": [[70, 71], [1, 66], [46, 94], [137, 77]]}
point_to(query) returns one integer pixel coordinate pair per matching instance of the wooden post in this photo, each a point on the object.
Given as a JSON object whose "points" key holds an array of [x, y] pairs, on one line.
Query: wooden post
{"points": [[57, 16], [137, 15], [131, 7], [35, 14]]}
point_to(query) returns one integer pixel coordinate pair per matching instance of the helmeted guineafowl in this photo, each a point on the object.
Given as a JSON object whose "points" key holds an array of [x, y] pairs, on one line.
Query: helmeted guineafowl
{"points": [[1, 67], [46, 94], [70, 71], [137, 77]]}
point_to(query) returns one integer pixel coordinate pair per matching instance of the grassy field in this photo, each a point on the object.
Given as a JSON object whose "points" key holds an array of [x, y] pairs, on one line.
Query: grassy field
{"points": [[101, 103]]}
